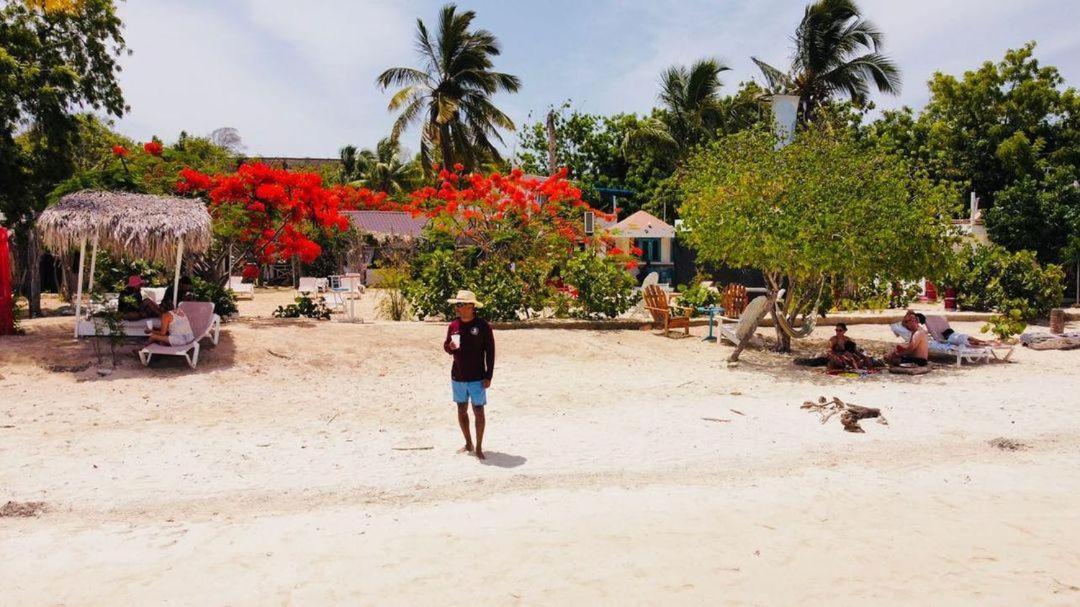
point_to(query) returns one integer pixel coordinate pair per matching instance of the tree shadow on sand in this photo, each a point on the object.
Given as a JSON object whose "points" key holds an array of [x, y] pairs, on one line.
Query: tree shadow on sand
{"points": [[502, 460]]}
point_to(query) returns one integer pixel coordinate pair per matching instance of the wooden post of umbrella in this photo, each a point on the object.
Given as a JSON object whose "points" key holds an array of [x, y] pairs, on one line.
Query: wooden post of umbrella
{"points": [[78, 287], [176, 275]]}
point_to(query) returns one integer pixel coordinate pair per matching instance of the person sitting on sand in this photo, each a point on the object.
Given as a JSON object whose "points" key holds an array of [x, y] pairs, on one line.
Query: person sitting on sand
{"points": [[175, 330], [842, 352], [470, 341], [132, 305], [917, 350]]}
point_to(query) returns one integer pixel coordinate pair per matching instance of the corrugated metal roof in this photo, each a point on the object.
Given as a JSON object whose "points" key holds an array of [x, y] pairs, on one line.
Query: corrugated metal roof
{"points": [[643, 225], [387, 223]]}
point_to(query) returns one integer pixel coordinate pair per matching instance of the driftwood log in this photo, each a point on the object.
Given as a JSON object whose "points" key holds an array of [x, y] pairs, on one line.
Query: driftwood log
{"points": [[849, 414]]}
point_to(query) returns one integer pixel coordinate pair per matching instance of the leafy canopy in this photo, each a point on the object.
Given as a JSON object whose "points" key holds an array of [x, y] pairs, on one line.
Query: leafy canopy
{"points": [[837, 53], [823, 206], [450, 95]]}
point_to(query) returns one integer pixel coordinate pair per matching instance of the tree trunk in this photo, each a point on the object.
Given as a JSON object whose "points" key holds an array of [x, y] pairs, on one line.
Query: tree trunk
{"points": [[445, 147], [33, 273], [67, 278], [552, 162], [783, 340]]}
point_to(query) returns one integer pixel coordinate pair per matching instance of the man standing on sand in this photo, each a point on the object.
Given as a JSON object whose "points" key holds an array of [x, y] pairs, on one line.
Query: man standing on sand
{"points": [[470, 341]]}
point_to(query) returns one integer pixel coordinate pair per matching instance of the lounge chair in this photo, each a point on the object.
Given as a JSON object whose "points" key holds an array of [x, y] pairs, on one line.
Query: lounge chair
{"points": [[663, 312], [734, 299], [744, 324], [309, 286], [938, 346], [237, 285], [204, 323]]}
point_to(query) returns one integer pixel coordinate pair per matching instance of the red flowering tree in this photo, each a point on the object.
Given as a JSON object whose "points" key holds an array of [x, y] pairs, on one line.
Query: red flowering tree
{"points": [[505, 236], [275, 213]]}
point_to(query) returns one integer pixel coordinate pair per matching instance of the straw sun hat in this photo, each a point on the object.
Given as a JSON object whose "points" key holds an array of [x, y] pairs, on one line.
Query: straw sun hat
{"points": [[465, 297]]}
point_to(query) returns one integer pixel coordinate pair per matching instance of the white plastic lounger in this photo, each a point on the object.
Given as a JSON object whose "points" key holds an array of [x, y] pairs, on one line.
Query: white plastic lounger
{"points": [[204, 323], [309, 285], [239, 287], [962, 353]]}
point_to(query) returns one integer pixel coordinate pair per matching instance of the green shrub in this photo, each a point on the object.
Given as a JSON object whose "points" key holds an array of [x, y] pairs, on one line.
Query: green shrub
{"points": [[224, 299], [1006, 325], [394, 305], [605, 289], [697, 296], [878, 295], [991, 279], [501, 290], [435, 277], [305, 307]]}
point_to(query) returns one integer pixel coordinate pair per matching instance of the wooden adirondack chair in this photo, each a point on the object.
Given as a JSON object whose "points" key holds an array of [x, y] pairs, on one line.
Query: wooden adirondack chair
{"points": [[734, 300], [664, 313]]}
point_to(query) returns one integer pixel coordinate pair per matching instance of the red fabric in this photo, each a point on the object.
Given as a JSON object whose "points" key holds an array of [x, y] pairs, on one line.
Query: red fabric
{"points": [[7, 321]]}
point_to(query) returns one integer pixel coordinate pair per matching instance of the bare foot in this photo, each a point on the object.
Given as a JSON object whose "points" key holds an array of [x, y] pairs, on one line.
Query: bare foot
{"points": [[480, 454], [465, 449]]}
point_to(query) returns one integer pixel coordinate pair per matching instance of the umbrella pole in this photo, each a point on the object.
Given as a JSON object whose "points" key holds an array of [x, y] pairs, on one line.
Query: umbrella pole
{"points": [[176, 275], [78, 287], [93, 264]]}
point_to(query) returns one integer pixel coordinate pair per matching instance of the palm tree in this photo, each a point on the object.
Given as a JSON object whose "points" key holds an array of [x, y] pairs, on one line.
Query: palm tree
{"points": [[691, 107], [836, 53], [451, 95], [348, 163], [383, 169]]}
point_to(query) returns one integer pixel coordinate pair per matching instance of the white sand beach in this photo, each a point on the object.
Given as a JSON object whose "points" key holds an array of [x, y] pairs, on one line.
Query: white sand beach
{"points": [[311, 463]]}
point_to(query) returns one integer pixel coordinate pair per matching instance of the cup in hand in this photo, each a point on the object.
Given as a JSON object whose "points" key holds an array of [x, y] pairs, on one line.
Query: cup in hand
{"points": [[455, 339]]}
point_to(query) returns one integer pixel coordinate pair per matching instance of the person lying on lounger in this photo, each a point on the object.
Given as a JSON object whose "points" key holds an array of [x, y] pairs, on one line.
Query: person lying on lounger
{"points": [[938, 326], [917, 350]]}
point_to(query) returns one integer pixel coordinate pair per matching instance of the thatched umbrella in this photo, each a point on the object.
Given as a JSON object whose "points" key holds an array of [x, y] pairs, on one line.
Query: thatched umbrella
{"points": [[130, 225]]}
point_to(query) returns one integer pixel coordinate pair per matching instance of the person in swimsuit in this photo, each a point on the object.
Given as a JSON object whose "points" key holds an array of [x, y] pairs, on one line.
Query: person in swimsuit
{"points": [[917, 350]]}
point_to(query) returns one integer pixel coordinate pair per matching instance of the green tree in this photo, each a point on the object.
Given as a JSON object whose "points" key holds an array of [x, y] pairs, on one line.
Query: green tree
{"points": [[690, 110], [999, 123], [450, 96], [53, 61], [349, 163], [384, 170], [837, 53], [1040, 214], [821, 209]]}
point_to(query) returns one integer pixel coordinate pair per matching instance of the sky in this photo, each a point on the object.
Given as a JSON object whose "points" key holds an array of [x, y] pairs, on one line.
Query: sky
{"points": [[298, 78]]}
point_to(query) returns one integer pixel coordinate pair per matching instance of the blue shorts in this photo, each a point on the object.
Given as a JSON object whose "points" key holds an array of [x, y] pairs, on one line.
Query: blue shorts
{"points": [[464, 391]]}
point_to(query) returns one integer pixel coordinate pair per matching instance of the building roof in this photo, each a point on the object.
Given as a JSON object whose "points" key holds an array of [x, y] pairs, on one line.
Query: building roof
{"points": [[643, 225], [383, 224]]}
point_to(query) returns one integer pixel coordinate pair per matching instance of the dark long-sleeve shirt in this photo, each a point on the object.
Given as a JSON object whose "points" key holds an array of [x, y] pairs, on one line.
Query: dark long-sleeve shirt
{"points": [[474, 360]]}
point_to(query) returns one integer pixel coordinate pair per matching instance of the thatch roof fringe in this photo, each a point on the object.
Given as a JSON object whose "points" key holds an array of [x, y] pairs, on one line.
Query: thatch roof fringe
{"points": [[132, 225]]}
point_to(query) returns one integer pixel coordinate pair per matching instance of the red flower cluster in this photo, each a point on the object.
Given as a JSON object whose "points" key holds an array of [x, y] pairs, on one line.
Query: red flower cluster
{"points": [[120, 151], [275, 210], [153, 148], [636, 251]]}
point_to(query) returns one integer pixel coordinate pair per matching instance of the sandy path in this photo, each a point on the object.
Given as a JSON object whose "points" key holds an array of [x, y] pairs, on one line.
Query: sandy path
{"points": [[260, 479]]}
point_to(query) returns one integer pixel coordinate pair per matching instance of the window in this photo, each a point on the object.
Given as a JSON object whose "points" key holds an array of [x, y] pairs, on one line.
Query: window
{"points": [[650, 248]]}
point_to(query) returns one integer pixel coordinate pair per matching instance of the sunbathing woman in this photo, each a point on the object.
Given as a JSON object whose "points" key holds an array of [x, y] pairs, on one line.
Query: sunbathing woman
{"points": [[175, 330], [843, 353]]}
